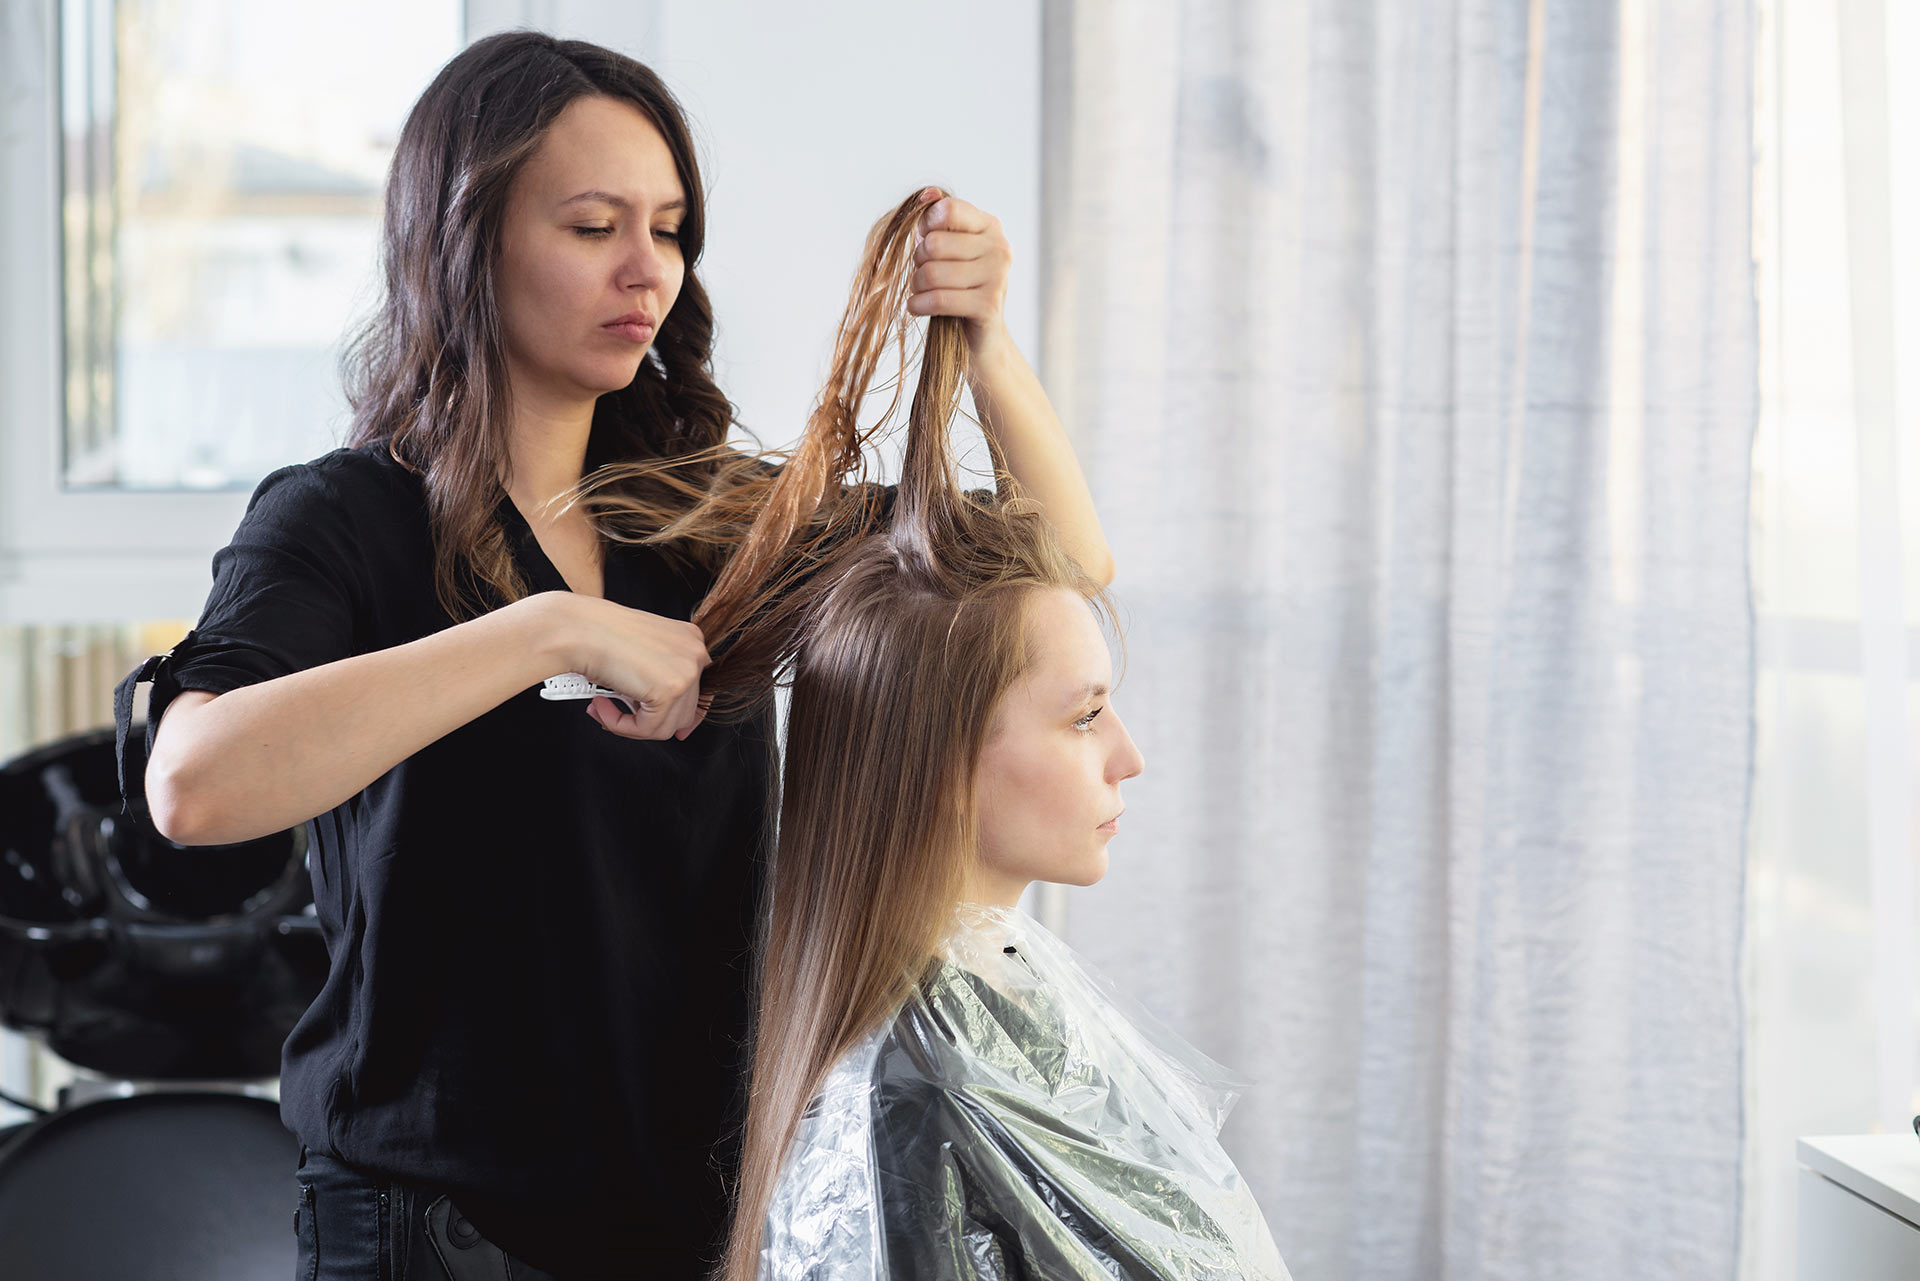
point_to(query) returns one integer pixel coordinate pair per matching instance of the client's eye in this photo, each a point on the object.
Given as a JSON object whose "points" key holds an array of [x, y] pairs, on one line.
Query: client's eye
{"points": [[1086, 722]]}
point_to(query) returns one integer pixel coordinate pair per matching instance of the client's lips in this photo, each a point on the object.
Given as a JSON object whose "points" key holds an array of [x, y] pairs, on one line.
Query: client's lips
{"points": [[1114, 821]]}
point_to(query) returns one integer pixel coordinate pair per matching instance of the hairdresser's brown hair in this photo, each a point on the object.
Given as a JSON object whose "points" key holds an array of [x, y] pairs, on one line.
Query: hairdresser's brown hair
{"points": [[427, 373], [900, 641]]}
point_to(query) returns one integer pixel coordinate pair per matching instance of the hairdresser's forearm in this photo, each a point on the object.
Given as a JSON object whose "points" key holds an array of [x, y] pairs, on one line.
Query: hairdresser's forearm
{"points": [[1014, 407], [266, 757]]}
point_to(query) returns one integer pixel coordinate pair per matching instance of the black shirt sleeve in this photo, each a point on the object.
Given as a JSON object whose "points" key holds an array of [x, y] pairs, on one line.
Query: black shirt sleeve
{"points": [[286, 593], [285, 590]]}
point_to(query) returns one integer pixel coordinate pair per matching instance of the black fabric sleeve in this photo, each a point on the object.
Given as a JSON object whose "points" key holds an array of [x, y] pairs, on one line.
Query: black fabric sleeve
{"points": [[286, 594]]}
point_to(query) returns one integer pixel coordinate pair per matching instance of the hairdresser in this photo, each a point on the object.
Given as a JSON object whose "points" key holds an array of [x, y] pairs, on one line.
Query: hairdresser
{"points": [[528, 1051]]}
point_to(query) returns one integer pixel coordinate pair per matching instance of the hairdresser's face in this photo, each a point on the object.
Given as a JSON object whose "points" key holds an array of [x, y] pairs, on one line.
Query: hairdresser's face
{"points": [[1050, 773], [590, 258]]}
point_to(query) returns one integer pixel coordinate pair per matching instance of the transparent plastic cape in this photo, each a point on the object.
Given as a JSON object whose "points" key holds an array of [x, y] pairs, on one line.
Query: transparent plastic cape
{"points": [[1016, 1119]]}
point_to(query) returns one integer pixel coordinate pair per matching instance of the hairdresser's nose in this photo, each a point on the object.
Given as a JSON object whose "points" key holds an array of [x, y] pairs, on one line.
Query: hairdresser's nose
{"points": [[1125, 760], [643, 266]]}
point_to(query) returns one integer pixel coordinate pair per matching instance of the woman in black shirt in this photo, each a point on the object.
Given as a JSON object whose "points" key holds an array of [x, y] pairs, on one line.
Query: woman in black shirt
{"points": [[538, 921]]}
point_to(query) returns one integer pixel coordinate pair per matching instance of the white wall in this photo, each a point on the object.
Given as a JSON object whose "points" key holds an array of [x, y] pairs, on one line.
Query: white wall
{"points": [[811, 122]]}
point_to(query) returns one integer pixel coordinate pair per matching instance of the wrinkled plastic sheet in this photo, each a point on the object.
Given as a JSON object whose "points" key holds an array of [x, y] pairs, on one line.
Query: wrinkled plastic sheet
{"points": [[1017, 1119]]}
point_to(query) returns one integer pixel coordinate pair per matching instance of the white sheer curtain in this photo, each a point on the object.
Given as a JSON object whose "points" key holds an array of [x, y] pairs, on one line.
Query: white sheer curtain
{"points": [[1834, 960], [1411, 350]]}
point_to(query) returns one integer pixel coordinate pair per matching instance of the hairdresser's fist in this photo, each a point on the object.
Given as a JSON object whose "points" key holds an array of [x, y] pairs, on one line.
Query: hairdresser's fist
{"points": [[654, 661], [960, 266]]}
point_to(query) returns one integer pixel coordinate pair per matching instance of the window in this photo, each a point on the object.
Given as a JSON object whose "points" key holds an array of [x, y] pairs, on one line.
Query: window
{"points": [[222, 166], [1834, 954], [188, 208]]}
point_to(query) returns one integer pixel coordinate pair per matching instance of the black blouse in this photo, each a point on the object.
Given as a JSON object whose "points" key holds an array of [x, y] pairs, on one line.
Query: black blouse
{"points": [[539, 930]]}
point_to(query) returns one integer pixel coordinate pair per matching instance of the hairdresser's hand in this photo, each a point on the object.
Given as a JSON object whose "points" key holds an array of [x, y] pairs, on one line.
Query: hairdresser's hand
{"points": [[653, 660], [961, 264]]}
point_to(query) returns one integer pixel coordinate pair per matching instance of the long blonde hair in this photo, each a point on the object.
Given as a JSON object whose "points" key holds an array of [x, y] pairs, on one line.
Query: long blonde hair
{"points": [[899, 639]]}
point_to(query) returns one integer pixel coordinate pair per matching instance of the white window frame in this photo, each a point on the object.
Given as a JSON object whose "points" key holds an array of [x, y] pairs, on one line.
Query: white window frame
{"points": [[68, 555]]}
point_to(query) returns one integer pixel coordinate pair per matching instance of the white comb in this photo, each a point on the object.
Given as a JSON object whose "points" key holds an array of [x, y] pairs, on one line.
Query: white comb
{"points": [[574, 685]]}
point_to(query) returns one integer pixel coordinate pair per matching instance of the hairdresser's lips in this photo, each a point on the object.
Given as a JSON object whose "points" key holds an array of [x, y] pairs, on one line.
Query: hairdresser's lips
{"points": [[635, 326]]}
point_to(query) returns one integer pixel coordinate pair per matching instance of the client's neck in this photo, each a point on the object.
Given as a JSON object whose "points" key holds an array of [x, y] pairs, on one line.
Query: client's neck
{"points": [[995, 889]]}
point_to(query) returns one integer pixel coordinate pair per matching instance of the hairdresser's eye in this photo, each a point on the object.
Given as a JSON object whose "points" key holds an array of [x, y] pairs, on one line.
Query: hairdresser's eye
{"points": [[592, 233], [666, 234], [1086, 722]]}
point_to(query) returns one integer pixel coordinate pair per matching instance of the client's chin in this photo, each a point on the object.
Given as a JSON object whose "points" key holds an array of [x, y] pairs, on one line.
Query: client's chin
{"points": [[1086, 870]]}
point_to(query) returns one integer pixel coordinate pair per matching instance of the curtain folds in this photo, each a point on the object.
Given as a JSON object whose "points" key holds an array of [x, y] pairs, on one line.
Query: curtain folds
{"points": [[1410, 351]]}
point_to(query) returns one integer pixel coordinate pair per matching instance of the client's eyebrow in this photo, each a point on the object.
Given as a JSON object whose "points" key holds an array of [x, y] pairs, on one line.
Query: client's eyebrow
{"points": [[1091, 690], [618, 202]]}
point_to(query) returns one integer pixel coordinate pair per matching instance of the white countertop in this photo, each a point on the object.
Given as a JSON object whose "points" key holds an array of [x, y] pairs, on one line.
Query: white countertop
{"points": [[1883, 1168]]}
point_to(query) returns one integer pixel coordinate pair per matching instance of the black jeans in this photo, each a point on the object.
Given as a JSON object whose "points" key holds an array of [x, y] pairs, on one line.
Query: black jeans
{"points": [[361, 1227]]}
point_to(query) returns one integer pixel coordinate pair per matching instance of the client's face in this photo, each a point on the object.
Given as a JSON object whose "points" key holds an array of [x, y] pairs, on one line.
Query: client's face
{"points": [[1050, 773]]}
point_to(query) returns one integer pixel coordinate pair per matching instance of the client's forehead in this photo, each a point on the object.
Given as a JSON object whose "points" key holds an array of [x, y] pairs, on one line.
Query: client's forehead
{"points": [[1070, 660]]}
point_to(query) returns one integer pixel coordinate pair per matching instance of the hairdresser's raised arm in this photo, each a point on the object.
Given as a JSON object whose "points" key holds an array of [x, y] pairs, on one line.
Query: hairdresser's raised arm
{"points": [[961, 267]]}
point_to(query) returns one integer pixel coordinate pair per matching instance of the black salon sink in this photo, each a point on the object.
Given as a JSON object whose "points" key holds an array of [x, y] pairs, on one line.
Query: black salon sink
{"points": [[136, 957]]}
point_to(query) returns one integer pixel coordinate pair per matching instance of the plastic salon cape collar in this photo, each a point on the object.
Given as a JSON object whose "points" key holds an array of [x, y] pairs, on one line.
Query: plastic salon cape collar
{"points": [[1017, 1118]]}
